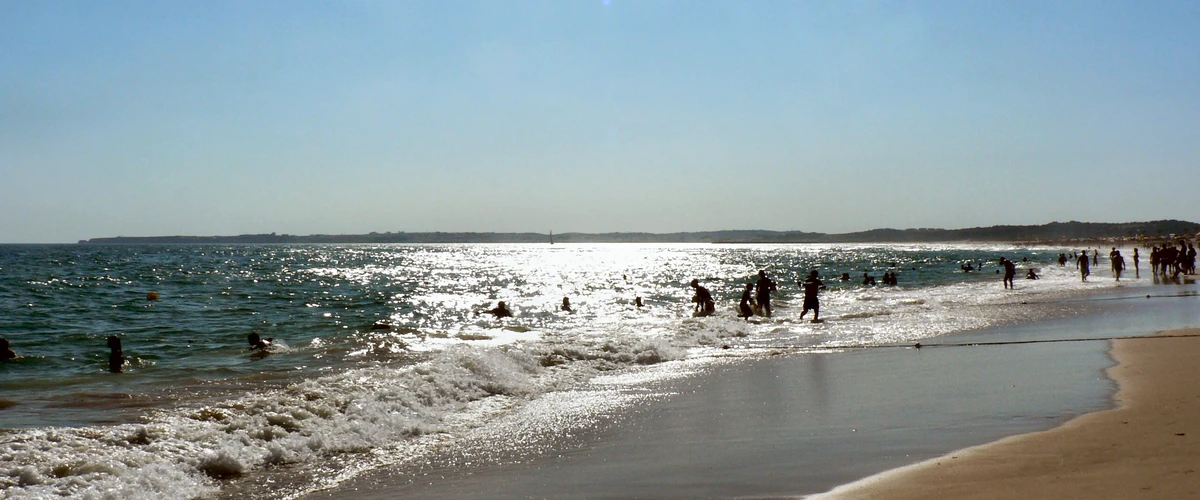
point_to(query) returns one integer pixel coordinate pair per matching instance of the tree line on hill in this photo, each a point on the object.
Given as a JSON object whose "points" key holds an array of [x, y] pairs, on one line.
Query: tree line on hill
{"points": [[1054, 231]]}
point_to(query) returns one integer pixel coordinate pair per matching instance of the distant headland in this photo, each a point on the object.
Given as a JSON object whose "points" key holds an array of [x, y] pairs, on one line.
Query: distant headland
{"points": [[1054, 232]]}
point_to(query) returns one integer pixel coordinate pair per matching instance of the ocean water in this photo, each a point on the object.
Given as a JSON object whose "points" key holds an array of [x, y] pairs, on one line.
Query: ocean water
{"points": [[195, 414]]}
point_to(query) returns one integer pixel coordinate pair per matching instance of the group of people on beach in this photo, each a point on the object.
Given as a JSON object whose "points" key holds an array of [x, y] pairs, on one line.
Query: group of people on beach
{"points": [[1173, 261], [1164, 261]]}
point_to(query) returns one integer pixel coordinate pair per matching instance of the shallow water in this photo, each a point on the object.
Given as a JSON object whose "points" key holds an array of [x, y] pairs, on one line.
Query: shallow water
{"points": [[193, 410]]}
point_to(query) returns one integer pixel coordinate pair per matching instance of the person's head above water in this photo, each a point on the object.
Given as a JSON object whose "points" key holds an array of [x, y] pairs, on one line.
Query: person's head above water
{"points": [[695, 282], [114, 342], [812, 274], [762, 272]]}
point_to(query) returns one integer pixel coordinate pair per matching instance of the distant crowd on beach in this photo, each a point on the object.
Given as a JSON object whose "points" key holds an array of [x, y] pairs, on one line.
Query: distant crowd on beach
{"points": [[1167, 262]]}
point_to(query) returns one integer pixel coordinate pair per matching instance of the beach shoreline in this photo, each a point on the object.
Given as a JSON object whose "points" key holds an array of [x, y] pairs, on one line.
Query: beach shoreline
{"points": [[1145, 447]]}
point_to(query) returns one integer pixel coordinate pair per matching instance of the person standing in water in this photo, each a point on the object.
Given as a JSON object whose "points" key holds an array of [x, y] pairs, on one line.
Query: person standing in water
{"points": [[763, 288], [1010, 271], [1118, 263], [1084, 270], [1137, 272], [703, 299], [566, 305], [116, 357], [811, 286]]}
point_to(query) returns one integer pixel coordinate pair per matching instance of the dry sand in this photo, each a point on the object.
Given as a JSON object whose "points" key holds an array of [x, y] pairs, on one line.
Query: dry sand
{"points": [[1148, 447]]}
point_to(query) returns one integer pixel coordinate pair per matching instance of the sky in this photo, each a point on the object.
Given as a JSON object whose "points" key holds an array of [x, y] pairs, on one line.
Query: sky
{"points": [[212, 117]]}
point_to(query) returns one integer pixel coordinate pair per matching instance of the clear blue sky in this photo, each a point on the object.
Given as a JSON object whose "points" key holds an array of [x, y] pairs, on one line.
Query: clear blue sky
{"points": [[215, 118]]}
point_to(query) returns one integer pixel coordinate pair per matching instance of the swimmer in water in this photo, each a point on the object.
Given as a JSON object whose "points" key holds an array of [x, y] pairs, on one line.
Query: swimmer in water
{"points": [[258, 343], [566, 305], [116, 357], [500, 311], [637, 301], [6, 352]]}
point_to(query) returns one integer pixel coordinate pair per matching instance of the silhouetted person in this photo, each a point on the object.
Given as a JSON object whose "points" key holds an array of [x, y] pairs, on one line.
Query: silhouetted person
{"points": [[1118, 264], [967, 268], [566, 305], [745, 310], [1096, 257], [703, 299], [1084, 269], [1137, 272], [811, 286], [1010, 271], [1031, 275], [868, 279], [637, 301], [762, 294], [845, 276], [500, 311], [6, 352], [258, 343], [116, 358]]}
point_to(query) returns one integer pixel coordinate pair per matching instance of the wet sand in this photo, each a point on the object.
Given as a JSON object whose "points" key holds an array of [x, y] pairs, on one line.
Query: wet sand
{"points": [[1147, 447], [792, 425]]}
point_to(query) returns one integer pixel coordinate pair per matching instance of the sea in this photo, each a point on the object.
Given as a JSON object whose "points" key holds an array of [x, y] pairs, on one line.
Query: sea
{"points": [[380, 357]]}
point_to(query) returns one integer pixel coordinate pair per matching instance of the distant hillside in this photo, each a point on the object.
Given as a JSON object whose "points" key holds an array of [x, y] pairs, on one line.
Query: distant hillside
{"points": [[1052, 232]]}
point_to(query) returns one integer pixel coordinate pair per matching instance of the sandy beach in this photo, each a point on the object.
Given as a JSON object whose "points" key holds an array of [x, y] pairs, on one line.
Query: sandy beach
{"points": [[1145, 448]]}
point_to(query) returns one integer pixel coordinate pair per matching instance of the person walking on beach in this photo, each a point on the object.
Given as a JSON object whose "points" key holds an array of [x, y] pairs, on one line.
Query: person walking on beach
{"points": [[1084, 271], [763, 288], [1118, 264], [1010, 271], [811, 286], [703, 299]]}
